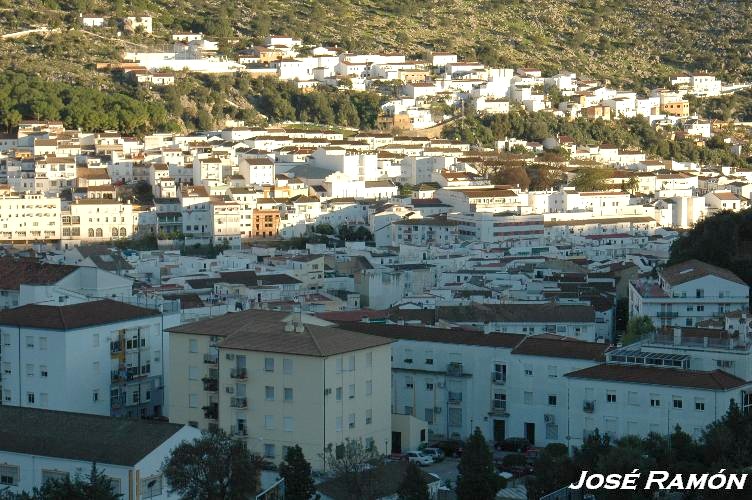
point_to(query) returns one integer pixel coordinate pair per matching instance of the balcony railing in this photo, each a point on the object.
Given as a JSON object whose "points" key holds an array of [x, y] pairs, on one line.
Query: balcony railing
{"points": [[238, 431], [211, 411], [210, 384], [498, 378], [239, 402], [498, 407], [240, 373], [668, 314], [211, 359], [588, 406]]}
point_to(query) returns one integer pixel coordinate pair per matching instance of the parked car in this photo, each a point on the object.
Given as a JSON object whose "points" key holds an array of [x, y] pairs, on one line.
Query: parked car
{"points": [[418, 458], [450, 447], [517, 445], [436, 453]]}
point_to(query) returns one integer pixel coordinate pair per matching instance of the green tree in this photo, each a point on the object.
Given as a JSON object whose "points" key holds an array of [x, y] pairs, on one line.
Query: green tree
{"points": [[637, 328], [95, 486], [590, 179], [296, 471], [553, 470], [211, 467], [413, 485], [477, 479], [354, 464]]}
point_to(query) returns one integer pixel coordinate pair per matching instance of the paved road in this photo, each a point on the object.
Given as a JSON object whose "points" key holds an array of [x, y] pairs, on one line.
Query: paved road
{"points": [[446, 470]]}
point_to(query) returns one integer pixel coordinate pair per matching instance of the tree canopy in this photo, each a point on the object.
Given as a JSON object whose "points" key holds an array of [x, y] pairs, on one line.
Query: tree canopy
{"points": [[477, 479]]}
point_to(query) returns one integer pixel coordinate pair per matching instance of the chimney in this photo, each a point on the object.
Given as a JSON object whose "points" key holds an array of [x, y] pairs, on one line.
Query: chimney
{"points": [[677, 336]]}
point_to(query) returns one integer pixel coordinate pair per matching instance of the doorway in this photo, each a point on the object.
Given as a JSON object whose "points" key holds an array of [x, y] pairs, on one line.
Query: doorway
{"points": [[499, 430], [530, 432]]}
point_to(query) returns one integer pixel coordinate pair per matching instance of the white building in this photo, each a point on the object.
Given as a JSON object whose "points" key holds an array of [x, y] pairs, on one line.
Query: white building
{"points": [[101, 357], [687, 293]]}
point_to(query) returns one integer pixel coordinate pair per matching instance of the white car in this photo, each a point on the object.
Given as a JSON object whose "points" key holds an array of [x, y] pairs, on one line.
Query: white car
{"points": [[418, 458]]}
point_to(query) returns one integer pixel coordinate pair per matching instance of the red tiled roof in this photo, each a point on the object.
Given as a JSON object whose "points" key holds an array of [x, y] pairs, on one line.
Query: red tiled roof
{"points": [[15, 271], [716, 380]]}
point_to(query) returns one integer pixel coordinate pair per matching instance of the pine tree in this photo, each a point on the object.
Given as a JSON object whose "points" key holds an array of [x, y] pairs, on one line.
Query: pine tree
{"points": [[414, 485], [296, 472], [477, 479]]}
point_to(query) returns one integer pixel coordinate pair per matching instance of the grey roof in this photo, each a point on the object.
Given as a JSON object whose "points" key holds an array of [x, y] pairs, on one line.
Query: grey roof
{"points": [[79, 436]]}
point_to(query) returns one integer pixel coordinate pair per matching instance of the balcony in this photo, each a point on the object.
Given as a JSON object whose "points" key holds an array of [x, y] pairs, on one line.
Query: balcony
{"points": [[454, 398], [211, 411], [239, 373], [498, 408], [455, 370], [210, 384], [239, 402], [588, 406], [498, 378], [211, 359]]}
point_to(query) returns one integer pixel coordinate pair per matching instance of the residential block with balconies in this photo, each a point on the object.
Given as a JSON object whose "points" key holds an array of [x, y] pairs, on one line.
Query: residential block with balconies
{"points": [[282, 379], [101, 357]]}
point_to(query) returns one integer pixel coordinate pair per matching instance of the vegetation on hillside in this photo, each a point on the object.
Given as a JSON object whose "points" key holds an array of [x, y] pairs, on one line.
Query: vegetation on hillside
{"points": [[724, 239]]}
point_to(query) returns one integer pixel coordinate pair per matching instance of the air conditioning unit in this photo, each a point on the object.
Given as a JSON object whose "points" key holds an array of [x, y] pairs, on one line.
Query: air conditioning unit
{"points": [[229, 356], [549, 419], [230, 390]]}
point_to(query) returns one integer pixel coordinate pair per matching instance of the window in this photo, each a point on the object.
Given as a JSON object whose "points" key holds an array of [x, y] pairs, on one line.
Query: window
{"points": [[351, 391], [288, 424], [429, 361], [269, 422], [611, 397], [338, 365], [338, 424], [287, 366], [29, 370], [268, 364], [699, 293], [136, 397], [678, 403], [42, 343], [655, 402], [192, 373], [351, 421], [369, 387], [429, 386], [632, 398], [529, 370], [269, 451], [95, 395], [30, 342], [54, 475], [552, 372], [700, 308], [151, 487], [9, 475], [30, 397], [552, 431], [351, 363], [724, 363], [192, 400], [428, 416], [699, 404], [552, 400], [527, 398], [193, 345], [338, 393], [369, 359], [269, 393], [369, 416]]}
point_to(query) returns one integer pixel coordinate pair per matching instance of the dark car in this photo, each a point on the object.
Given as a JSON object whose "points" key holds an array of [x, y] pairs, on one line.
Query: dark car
{"points": [[517, 445]]}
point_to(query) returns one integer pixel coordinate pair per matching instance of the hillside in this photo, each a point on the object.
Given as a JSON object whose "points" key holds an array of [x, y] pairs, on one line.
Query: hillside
{"points": [[631, 43], [621, 40]]}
